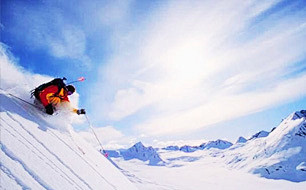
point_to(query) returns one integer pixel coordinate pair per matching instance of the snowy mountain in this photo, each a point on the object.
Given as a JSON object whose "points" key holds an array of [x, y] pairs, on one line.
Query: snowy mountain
{"points": [[280, 155], [171, 148], [260, 134], [138, 151], [218, 144], [187, 148], [241, 140], [39, 151]]}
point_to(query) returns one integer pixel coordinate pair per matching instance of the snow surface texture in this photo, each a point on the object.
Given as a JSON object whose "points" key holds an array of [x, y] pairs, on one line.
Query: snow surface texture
{"points": [[39, 151]]}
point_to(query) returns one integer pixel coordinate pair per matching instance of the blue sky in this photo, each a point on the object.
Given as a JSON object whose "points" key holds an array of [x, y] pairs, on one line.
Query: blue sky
{"points": [[168, 70]]}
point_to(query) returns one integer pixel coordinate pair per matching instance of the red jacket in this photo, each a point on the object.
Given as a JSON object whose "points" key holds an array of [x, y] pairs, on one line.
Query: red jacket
{"points": [[49, 96]]}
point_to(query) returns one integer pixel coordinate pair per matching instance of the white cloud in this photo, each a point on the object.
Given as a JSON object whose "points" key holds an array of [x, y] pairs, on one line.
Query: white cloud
{"points": [[224, 107], [193, 64], [71, 44], [49, 28], [113, 13], [109, 136], [14, 78]]}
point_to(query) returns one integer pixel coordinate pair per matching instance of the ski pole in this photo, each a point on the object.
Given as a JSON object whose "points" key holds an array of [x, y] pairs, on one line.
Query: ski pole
{"points": [[25, 101], [105, 153], [81, 79]]}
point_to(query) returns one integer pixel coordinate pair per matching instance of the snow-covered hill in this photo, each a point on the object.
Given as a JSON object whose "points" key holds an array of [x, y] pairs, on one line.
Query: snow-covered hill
{"points": [[218, 144], [241, 140], [43, 152], [140, 152], [280, 154], [260, 134]]}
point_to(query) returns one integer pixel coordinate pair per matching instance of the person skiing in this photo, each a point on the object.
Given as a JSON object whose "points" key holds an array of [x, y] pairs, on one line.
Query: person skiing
{"points": [[54, 94]]}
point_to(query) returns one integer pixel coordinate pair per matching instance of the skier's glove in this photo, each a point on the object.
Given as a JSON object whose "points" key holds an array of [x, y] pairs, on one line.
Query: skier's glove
{"points": [[81, 111], [49, 109]]}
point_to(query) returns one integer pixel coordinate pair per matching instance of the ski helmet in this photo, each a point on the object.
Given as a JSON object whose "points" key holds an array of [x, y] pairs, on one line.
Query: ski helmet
{"points": [[70, 89]]}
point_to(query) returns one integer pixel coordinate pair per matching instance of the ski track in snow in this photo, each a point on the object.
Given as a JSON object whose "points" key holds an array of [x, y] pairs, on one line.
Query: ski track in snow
{"points": [[49, 161], [34, 116], [24, 128], [49, 151], [78, 147], [18, 181], [9, 154], [40, 152], [92, 167]]}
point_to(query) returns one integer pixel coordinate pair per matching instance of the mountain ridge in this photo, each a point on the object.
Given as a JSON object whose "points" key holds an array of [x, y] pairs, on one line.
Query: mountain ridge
{"points": [[279, 154]]}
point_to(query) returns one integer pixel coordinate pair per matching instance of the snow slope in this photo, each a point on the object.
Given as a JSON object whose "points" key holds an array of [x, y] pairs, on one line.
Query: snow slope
{"points": [[43, 152], [280, 154]]}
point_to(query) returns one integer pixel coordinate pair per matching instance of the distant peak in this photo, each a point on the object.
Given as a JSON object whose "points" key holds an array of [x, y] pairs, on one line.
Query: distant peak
{"points": [[143, 153], [296, 115], [260, 134], [241, 140], [138, 144], [299, 114]]}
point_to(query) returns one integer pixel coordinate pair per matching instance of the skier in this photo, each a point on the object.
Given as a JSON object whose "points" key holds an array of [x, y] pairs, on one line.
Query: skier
{"points": [[54, 94]]}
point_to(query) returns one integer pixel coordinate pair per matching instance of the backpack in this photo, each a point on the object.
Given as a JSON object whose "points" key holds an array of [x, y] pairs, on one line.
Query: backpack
{"points": [[57, 81]]}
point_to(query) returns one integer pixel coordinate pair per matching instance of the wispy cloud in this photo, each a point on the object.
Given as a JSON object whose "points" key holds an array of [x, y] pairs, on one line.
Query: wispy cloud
{"points": [[109, 136], [193, 64], [71, 44], [14, 78], [49, 27], [114, 13]]}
